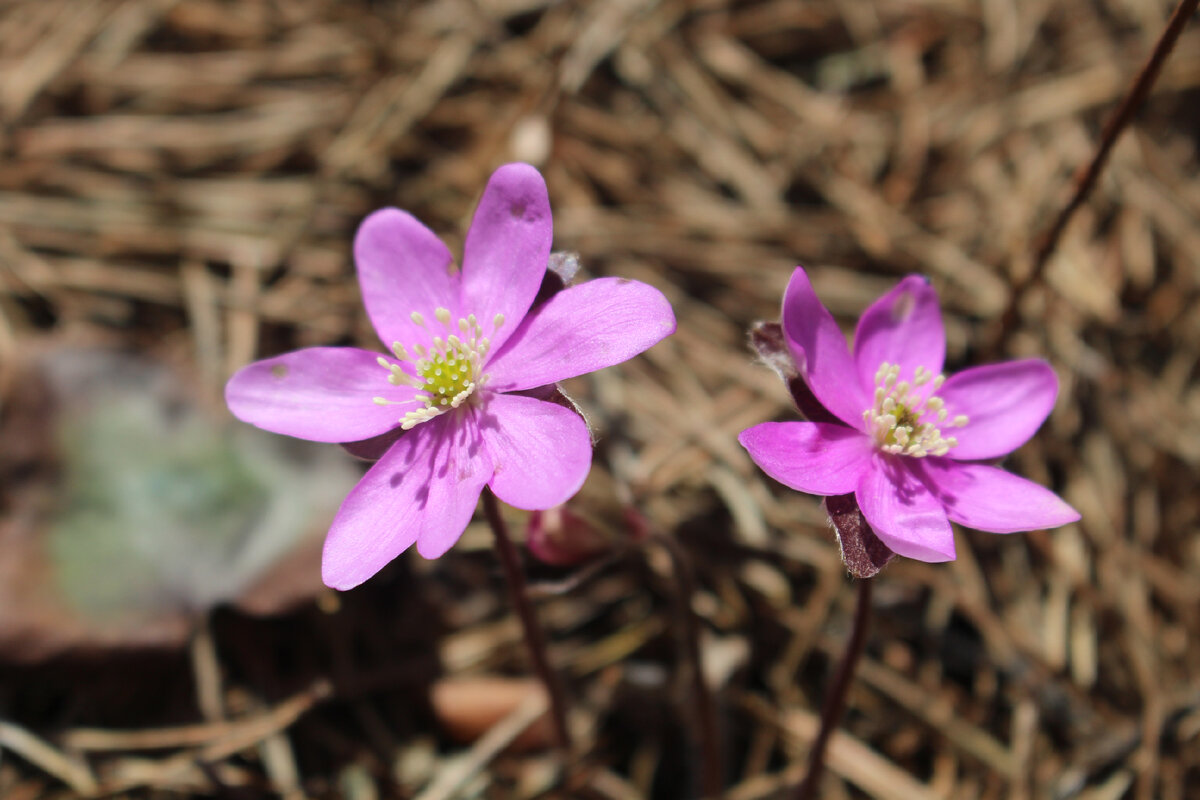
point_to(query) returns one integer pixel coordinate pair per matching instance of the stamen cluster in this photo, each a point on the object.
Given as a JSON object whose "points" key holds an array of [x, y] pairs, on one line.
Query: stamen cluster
{"points": [[448, 372], [907, 417]]}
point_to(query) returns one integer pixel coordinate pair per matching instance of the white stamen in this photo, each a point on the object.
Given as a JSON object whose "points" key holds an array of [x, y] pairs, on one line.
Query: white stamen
{"points": [[447, 367], [906, 416]]}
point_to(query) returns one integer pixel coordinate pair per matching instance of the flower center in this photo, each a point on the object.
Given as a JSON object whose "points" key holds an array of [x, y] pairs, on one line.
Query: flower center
{"points": [[907, 418], [448, 372]]}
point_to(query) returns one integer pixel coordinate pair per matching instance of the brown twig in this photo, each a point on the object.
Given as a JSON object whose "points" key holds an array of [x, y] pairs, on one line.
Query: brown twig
{"points": [[535, 639], [835, 700], [1087, 177]]}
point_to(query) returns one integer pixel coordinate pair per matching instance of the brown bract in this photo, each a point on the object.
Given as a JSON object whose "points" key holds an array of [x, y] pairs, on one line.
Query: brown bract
{"points": [[862, 551]]}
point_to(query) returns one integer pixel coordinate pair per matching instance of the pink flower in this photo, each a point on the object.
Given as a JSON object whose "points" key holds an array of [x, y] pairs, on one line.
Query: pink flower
{"points": [[907, 442], [466, 349]]}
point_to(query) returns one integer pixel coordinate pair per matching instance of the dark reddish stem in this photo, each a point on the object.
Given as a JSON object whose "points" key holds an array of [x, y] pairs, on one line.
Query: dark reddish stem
{"points": [[1086, 179], [835, 698], [713, 777], [709, 733], [535, 638]]}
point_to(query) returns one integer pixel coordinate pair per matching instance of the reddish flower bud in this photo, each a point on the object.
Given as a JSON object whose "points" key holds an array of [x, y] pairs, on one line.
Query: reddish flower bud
{"points": [[562, 538]]}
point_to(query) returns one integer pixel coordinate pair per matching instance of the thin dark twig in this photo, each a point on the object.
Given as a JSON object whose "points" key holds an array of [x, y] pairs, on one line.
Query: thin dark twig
{"points": [[713, 776], [835, 699], [535, 639], [570, 583], [1087, 177]]}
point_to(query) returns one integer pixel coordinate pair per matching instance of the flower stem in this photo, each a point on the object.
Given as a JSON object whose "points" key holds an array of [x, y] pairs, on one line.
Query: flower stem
{"points": [[535, 639], [1087, 177], [835, 699], [706, 710]]}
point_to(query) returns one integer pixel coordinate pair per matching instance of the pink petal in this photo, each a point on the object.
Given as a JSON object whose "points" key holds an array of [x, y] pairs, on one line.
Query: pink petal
{"points": [[403, 267], [373, 449], [323, 394], [821, 353], [813, 457], [903, 327], [507, 249], [383, 515], [582, 329], [541, 452], [1005, 405], [990, 499], [461, 467], [903, 513]]}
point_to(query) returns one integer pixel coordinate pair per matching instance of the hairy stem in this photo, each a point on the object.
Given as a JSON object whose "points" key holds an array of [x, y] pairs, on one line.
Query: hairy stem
{"points": [[1087, 177], [535, 639], [835, 699]]}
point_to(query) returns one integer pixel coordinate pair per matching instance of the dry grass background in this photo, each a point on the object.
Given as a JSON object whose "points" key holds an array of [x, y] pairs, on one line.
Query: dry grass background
{"points": [[184, 178]]}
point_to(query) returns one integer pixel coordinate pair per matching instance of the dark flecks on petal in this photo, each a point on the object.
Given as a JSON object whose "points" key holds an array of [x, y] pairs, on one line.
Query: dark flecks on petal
{"points": [[373, 449], [903, 327]]}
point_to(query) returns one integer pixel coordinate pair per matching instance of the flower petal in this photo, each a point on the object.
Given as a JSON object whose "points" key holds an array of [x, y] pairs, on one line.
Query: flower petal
{"points": [[403, 267], [582, 329], [461, 467], [541, 452], [323, 394], [507, 249], [821, 352], [989, 499], [1005, 404], [382, 515], [903, 327], [903, 513], [814, 457]]}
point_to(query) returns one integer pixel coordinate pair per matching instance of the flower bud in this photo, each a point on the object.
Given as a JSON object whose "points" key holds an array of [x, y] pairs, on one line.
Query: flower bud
{"points": [[562, 538]]}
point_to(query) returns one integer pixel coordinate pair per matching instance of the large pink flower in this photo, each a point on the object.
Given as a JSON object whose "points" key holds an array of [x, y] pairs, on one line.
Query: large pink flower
{"points": [[911, 442], [465, 349]]}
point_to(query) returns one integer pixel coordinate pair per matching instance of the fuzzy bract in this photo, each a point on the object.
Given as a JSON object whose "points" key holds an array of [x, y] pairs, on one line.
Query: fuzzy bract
{"points": [[910, 444], [461, 393]]}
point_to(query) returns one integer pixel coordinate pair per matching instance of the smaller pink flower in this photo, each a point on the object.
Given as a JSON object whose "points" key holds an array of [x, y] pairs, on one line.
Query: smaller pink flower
{"points": [[459, 400], [908, 442]]}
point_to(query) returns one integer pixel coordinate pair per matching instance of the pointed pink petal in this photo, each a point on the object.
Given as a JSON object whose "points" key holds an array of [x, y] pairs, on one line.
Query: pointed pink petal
{"points": [[403, 267], [990, 499], [323, 394], [903, 327], [461, 467], [582, 329], [821, 353], [1005, 405], [384, 513], [903, 513], [541, 452], [507, 249], [812, 457]]}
